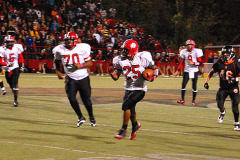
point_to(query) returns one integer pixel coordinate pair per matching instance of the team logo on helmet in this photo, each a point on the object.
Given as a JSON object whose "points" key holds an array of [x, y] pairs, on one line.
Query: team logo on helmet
{"points": [[133, 45]]}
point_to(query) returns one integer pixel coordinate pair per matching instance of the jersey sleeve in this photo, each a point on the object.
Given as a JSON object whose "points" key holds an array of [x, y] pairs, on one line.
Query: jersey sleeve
{"points": [[86, 52], [1, 52], [182, 53], [116, 63], [149, 61], [19, 48], [215, 66], [56, 52], [199, 53], [237, 64]]}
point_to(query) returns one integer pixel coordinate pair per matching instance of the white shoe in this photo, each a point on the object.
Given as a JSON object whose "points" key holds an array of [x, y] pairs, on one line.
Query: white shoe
{"points": [[102, 75], [236, 126], [38, 72], [97, 75]]}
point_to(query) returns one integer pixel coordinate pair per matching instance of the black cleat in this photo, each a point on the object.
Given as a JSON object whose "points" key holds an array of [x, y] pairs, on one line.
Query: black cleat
{"points": [[121, 134], [221, 116], [15, 103], [134, 131], [4, 92], [81, 121], [92, 122]]}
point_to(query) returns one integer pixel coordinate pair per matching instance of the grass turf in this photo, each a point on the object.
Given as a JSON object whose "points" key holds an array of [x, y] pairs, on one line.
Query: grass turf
{"points": [[43, 127]]}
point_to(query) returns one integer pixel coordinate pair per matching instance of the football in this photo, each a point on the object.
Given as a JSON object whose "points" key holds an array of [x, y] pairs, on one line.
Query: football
{"points": [[147, 71]]}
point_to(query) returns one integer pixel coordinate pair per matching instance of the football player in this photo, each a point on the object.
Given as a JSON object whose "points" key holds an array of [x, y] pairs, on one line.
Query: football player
{"points": [[75, 58], [11, 57], [191, 59], [229, 71], [131, 64]]}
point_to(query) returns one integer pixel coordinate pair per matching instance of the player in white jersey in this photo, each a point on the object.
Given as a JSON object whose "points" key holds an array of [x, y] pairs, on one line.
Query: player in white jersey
{"points": [[132, 64], [75, 58], [192, 58], [11, 57]]}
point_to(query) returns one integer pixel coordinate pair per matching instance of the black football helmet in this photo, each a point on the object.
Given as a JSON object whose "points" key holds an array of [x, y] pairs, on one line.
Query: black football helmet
{"points": [[229, 50]]}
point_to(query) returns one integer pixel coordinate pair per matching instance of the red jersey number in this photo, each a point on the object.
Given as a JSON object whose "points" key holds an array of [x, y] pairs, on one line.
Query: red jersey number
{"points": [[133, 69], [190, 57], [11, 57], [75, 58]]}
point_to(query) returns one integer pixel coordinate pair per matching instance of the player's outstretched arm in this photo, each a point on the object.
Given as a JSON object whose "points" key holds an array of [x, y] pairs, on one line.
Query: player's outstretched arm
{"points": [[57, 66], [210, 74]]}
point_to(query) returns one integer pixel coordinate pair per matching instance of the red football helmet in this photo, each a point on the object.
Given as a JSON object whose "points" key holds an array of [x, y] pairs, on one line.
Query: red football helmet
{"points": [[9, 40], [130, 48], [190, 42], [71, 39]]}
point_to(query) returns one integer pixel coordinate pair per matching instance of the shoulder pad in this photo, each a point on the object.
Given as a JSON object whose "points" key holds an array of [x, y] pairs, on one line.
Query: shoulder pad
{"points": [[18, 46]]}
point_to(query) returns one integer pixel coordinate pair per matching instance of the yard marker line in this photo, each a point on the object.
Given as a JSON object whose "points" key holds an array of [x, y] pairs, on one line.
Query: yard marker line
{"points": [[66, 149], [113, 126]]}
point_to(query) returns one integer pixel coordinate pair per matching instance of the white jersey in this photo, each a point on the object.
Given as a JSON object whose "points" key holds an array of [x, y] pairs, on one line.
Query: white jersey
{"points": [[79, 54], [132, 70], [11, 55], [192, 56]]}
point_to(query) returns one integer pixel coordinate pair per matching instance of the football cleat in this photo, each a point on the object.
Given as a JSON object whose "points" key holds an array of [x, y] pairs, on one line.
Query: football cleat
{"points": [[15, 103], [194, 103], [121, 134], [134, 131], [93, 122], [221, 116], [4, 92], [236, 126], [181, 102], [81, 121]]}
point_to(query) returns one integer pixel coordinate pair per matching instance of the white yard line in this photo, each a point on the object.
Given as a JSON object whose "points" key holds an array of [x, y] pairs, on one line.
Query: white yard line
{"points": [[67, 149]]}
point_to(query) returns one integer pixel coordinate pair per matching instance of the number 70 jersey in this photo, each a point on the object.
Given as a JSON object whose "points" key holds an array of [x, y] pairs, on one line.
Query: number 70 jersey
{"points": [[79, 54]]}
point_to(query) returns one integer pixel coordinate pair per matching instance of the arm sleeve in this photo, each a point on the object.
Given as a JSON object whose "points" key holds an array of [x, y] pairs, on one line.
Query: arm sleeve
{"points": [[180, 65], [20, 59], [2, 63]]}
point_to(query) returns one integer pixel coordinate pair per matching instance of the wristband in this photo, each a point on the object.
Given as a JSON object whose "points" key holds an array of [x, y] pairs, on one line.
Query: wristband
{"points": [[81, 65]]}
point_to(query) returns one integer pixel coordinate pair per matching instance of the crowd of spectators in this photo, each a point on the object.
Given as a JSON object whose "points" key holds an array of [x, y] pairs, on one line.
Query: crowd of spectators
{"points": [[41, 24]]}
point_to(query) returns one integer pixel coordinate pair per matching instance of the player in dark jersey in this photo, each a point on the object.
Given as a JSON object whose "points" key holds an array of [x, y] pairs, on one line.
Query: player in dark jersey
{"points": [[229, 71]]}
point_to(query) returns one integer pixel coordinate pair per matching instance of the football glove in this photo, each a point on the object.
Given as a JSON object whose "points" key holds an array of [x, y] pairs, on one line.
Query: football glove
{"points": [[151, 78], [155, 72], [206, 86]]}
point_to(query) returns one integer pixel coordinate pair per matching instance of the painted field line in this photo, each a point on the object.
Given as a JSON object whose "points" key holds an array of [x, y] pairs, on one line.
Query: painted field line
{"points": [[105, 125], [66, 149]]}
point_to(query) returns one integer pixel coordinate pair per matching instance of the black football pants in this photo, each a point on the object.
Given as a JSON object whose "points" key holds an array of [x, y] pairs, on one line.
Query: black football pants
{"points": [[233, 93], [83, 87]]}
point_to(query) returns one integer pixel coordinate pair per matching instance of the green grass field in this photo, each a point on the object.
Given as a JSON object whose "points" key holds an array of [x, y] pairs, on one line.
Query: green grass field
{"points": [[43, 127]]}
